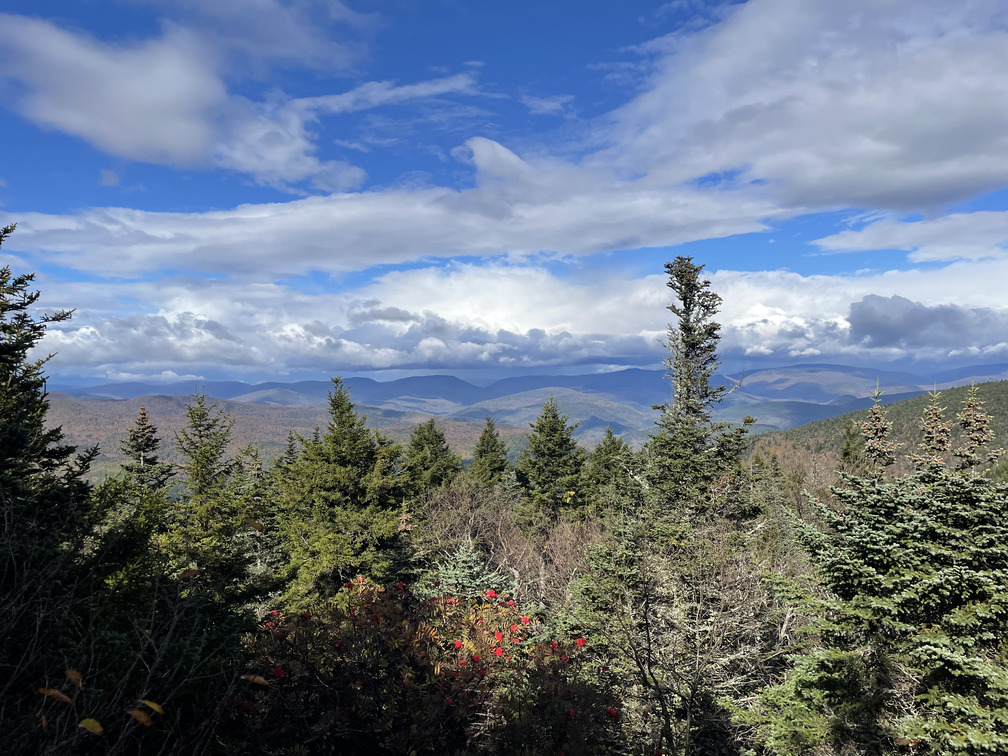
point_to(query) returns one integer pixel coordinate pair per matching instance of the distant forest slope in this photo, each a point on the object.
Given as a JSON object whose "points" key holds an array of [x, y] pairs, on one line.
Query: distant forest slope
{"points": [[817, 445], [87, 422], [265, 414]]}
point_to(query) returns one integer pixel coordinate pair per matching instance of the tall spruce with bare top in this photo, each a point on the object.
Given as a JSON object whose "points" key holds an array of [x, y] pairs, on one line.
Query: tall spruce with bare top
{"points": [[689, 450]]}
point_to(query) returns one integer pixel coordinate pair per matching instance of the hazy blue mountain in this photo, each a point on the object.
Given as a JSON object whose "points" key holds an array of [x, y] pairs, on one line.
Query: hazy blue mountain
{"points": [[778, 398]]}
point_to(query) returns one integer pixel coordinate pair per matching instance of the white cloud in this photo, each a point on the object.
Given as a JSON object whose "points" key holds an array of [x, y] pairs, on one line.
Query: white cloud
{"points": [[894, 105], [559, 105], [152, 101], [466, 316], [265, 32], [517, 208], [377, 93], [165, 100], [959, 236]]}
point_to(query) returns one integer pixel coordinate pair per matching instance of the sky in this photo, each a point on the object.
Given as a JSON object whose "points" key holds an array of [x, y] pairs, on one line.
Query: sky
{"points": [[292, 189]]}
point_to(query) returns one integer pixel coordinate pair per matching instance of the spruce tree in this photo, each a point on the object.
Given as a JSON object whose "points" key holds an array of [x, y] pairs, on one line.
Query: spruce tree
{"points": [[490, 459], [549, 470], [340, 504], [432, 463], [141, 447], [610, 472], [912, 633], [203, 444], [45, 508], [689, 450]]}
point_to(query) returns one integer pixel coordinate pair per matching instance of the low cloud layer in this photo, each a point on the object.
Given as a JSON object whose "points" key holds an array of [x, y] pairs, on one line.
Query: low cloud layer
{"points": [[898, 322], [466, 317]]}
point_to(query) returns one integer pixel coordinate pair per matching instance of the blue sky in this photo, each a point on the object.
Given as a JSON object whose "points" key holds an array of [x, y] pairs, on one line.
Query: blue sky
{"points": [[283, 190]]}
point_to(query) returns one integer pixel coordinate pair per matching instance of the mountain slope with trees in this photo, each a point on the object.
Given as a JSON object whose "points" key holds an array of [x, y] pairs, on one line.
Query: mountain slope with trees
{"points": [[362, 595]]}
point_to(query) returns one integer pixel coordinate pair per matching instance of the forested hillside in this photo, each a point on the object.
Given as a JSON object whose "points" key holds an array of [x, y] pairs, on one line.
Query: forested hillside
{"points": [[361, 595]]}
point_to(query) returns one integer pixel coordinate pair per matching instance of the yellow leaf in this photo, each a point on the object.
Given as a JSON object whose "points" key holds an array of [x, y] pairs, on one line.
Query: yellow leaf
{"points": [[152, 705], [57, 694], [92, 726], [141, 716], [191, 572], [257, 679], [75, 677], [254, 524]]}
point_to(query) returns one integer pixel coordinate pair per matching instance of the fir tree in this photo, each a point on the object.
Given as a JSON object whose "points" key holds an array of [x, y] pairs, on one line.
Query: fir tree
{"points": [[203, 444], [609, 473], [549, 470], [490, 459], [432, 463], [141, 449], [45, 509], [340, 503], [912, 640]]}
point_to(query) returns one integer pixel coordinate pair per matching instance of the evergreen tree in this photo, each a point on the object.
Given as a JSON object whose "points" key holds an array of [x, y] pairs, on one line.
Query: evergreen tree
{"points": [[689, 450], [432, 463], [203, 443], [207, 527], [141, 448], [609, 473], [45, 508], [549, 470], [853, 459], [340, 503], [490, 459], [912, 645], [466, 574]]}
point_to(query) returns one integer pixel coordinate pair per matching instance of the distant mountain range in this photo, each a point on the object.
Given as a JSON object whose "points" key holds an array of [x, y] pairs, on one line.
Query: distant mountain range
{"points": [[778, 398]]}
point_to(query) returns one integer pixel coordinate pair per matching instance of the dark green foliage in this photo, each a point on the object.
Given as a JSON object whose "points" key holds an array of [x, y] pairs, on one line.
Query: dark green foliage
{"points": [[632, 617], [853, 460], [689, 451], [340, 502], [610, 474], [45, 508], [203, 444], [549, 470], [141, 448], [913, 643], [490, 459], [431, 462]]}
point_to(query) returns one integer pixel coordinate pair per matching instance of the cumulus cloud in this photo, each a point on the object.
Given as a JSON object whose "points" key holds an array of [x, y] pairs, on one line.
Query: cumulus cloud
{"points": [[899, 322], [773, 109], [467, 316]]}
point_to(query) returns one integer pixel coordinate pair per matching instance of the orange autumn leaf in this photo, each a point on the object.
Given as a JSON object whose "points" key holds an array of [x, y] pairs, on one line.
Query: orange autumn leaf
{"points": [[57, 694], [257, 679], [75, 677], [92, 726], [152, 705], [141, 716], [191, 572]]}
